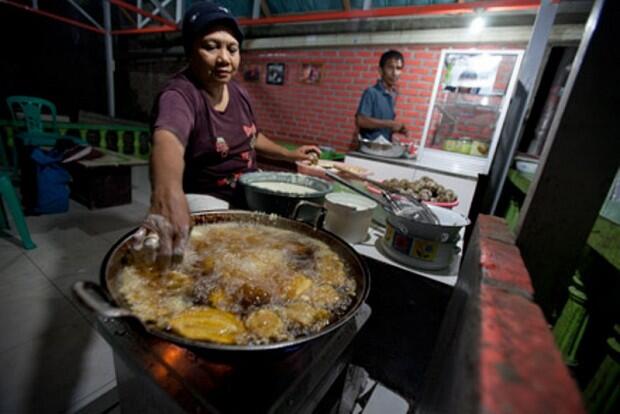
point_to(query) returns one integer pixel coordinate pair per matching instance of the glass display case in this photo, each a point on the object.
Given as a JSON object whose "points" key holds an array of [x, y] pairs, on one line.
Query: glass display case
{"points": [[468, 106]]}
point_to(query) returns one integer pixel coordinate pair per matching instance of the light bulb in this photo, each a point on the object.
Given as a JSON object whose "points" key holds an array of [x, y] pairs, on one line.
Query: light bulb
{"points": [[477, 24]]}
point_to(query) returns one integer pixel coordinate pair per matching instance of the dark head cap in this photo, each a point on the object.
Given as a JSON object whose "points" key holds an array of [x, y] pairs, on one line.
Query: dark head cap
{"points": [[201, 17]]}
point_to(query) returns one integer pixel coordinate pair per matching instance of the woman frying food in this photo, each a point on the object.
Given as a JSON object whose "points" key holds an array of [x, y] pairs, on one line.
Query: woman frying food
{"points": [[204, 132]]}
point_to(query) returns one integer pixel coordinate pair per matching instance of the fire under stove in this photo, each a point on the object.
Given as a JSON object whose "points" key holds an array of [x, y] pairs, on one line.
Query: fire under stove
{"points": [[157, 376]]}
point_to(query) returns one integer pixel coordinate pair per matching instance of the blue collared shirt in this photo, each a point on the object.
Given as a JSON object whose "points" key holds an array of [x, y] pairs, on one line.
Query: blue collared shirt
{"points": [[377, 102]]}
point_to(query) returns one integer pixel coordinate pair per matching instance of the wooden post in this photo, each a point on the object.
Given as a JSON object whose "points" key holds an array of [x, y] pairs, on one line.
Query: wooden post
{"points": [[579, 162]]}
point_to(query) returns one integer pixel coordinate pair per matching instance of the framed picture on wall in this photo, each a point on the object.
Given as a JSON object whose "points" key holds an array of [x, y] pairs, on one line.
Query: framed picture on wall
{"points": [[275, 73], [251, 73], [310, 73]]}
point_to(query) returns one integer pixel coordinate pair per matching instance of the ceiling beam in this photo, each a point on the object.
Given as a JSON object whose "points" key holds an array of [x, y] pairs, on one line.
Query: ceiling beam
{"points": [[561, 34], [265, 8], [427, 10], [54, 16], [83, 13], [143, 12]]}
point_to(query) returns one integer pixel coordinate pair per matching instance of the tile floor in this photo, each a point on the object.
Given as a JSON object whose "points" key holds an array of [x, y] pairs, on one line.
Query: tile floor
{"points": [[53, 360]]}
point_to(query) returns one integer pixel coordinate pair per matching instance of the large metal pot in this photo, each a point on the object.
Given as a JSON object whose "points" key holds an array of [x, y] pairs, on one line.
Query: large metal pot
{"points": [[109, 303], [281, 202]]}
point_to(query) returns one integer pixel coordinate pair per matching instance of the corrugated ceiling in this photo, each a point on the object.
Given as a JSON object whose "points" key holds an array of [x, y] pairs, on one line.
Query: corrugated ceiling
{"points": [[243, 8]]}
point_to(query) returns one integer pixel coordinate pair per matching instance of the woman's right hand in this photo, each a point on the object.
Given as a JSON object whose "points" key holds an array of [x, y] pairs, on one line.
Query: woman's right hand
{"points": [[163, 235], [165, 231]]}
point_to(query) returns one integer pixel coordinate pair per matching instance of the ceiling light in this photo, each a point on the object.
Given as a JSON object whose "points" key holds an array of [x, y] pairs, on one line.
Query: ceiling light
{"points": [[477, 24]]}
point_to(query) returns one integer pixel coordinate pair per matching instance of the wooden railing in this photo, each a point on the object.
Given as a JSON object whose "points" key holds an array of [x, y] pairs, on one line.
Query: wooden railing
{"points": [[130, 140]]}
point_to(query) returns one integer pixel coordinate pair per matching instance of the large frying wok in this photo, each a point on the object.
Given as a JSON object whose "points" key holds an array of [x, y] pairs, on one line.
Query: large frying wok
{"points": [[109, 303]]}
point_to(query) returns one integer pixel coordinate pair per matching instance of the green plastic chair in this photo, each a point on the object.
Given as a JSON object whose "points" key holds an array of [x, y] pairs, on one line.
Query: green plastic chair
{"points": [[7, 192], [32, 109]]}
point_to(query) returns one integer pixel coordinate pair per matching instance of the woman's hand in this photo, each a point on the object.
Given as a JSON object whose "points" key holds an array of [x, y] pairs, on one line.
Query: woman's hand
{"points": [[165, 231], [306, 152], [163, 235], [269, 148]]}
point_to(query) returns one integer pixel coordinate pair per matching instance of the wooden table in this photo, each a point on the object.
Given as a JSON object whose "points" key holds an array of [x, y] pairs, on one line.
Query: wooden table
{"points": [[104, 181]]}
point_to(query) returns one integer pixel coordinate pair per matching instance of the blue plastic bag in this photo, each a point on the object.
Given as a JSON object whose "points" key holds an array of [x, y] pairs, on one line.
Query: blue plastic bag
{"points": [[52, 182]]}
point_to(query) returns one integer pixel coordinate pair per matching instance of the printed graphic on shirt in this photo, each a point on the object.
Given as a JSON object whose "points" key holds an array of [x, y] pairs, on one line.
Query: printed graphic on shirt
{"points": [[221, 147], [250, 132]]}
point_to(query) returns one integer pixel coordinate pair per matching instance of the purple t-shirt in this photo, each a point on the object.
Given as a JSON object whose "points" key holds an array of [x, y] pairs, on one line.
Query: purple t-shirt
{"points": [[219, 146]]}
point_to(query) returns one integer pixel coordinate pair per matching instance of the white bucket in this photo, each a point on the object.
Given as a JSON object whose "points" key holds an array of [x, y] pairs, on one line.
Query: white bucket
{"points": [[348, 215]]}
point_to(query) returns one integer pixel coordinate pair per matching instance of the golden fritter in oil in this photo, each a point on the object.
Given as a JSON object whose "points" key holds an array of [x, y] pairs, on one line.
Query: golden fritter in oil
{"points": [[242, 283]]}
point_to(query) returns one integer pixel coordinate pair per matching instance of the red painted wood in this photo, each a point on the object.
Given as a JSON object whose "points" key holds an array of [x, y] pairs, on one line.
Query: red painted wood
{"points": [[143, 12], [521, 371], [429, 10], [520, 368], [145, 30], [502, 265]]}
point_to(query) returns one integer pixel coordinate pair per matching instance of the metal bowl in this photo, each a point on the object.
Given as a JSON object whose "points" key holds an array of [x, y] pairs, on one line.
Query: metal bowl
{"points": [[281, 203], [381, 149]]}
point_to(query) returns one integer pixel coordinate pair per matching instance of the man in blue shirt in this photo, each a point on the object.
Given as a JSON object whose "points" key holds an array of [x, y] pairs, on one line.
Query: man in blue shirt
{"points": [[375, 115]]}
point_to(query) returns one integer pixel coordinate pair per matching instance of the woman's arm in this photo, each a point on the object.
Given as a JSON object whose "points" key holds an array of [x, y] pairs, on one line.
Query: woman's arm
{"points": [[169, 218], [272, 150]]}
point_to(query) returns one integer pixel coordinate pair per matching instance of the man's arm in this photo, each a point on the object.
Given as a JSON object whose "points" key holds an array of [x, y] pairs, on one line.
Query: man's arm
{"points": [[270, 149], [367, 122]]}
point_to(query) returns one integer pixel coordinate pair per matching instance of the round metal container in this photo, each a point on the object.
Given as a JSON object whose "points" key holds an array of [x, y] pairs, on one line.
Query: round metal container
{"points": [[416, 252], [447, 231], [111, 304], [281, 203]]}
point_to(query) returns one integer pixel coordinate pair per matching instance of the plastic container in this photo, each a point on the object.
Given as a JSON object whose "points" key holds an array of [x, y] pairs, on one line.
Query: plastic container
{"points": [[464, 145], [450, 144], [479, 148], [348, 216], [527, 168]]}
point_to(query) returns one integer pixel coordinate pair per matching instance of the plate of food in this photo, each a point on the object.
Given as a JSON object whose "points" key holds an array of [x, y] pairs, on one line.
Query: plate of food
{"points": [[318, 168], [424, 189]]}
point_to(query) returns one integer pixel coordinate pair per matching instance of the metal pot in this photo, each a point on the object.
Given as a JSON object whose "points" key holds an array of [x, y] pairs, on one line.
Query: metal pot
{"points": [[415, 252], [381, 149], [281, 203], [109, 303], [447, 231]]}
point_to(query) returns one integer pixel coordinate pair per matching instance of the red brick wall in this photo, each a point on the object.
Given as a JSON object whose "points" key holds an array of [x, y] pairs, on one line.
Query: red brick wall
{"points": [[324, 113]]}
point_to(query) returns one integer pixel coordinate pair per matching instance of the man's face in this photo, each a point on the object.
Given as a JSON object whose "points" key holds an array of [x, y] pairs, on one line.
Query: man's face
{"points": [[390, 72], [215, 56]]}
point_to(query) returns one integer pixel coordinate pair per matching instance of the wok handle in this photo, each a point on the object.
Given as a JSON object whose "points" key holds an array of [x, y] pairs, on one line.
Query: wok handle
{"points": [[97, 302], [318, 219]]}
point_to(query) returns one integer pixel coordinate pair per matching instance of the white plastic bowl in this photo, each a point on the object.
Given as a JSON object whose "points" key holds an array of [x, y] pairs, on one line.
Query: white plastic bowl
{"points": [[348, 215], [527, 167]]}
